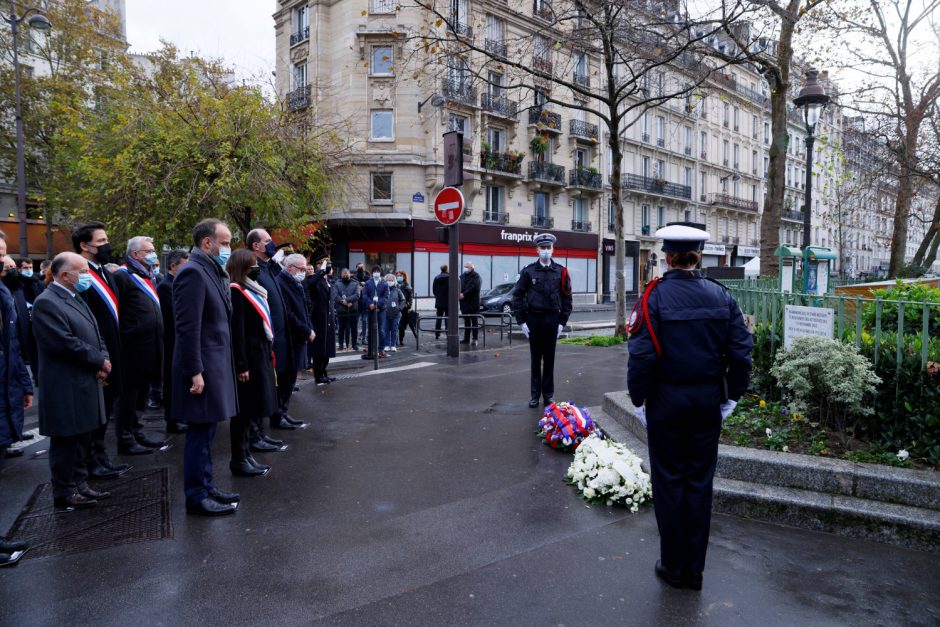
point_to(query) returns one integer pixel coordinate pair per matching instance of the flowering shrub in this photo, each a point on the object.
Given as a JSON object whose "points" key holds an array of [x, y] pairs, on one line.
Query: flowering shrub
{"points": [[564, 426], [608, 472], [827, 380]]}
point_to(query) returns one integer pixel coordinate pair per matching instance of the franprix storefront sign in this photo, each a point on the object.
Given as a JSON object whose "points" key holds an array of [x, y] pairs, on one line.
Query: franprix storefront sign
{"points": [[522, 238]]}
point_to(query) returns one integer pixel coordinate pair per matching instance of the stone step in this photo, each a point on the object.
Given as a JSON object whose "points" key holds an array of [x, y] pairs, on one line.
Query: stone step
{"points": [[876, 482]]}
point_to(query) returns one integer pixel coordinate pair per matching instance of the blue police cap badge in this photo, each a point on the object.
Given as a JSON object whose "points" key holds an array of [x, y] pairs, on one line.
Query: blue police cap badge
{"points": [[544, 239], [678, 238]]}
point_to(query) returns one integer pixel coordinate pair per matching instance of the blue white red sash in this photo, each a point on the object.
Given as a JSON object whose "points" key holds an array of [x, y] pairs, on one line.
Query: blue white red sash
{"points": [[105, 293], [144, 284], [260, 305]]}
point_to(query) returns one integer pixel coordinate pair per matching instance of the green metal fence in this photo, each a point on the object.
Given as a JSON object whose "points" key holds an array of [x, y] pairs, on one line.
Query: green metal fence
{"points": [[914, 326]]}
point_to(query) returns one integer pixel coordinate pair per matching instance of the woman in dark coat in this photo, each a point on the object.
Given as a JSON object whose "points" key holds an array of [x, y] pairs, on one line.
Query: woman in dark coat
{"points": [[409, 317], [252, 350], [323, 319]]}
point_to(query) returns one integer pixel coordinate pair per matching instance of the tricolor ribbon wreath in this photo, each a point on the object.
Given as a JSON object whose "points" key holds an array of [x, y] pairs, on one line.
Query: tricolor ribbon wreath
{"points": [[564, 426]]}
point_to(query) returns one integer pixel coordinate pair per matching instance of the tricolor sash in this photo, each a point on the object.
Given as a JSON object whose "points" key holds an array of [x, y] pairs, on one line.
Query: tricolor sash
{"points": [[105, 293], [260, 306], [144, 284]]}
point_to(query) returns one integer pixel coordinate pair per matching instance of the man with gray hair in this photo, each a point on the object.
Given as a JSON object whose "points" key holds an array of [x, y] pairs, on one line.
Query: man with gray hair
{"points": [[299, 328], [141, 331]]}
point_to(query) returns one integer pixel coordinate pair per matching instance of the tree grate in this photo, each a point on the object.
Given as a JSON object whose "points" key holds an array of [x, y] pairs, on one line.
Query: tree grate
{"points": [[138, 511]]}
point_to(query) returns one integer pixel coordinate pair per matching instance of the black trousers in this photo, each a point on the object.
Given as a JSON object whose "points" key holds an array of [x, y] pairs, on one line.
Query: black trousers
{"points": [[441, 314], [238, 434], [471, 323], [286, 379], [684, 423], [543, 336], [98, 452], [320, 364], [67, 463], [347, 331], [129, 425], [197, 461], [408, 319]]}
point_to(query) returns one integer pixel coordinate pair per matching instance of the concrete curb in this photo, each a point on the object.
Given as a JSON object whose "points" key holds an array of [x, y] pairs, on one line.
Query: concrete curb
{"points": [[893, 505]]}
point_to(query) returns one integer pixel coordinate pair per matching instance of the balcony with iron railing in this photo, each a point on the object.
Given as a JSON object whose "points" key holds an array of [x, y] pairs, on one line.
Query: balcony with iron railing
{"points": [[656, 186], [459, 92], [502, 163], [582, 79], [752, 95], [582, 129], [646, 138], [542, 10], [499, 105], [661, 142], [727, 200], [495, 217], [688, 151], [541, 64], [298, 98], [543, 222], [545, 120], [586, 179], [789, 214], [300, 36], [581, 226], [548, 173], [460, 29], [496, 48]]}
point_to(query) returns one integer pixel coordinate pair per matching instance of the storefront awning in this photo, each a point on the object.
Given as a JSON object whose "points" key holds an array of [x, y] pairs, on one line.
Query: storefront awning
{"points": [[372, 219]]}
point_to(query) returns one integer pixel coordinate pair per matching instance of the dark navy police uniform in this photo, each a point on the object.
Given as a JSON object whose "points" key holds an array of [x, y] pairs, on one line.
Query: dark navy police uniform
{"points": [[704, 360], [542, 299]]}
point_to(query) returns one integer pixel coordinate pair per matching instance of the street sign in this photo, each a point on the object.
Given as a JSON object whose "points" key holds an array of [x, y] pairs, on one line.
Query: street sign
{"points": [[453, 158], [448, 205]]}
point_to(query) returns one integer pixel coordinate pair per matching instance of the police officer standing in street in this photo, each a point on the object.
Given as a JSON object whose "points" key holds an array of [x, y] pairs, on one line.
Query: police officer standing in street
{"points": [[690, 359], [542, 303]]}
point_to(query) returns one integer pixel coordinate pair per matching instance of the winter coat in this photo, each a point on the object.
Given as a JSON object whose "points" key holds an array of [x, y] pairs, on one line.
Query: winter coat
{"points": [[253, 354], [470, 284], [14, 378]]}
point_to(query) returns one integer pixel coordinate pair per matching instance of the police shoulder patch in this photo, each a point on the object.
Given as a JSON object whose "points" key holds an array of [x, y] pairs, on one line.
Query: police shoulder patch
{"points": [[633, 324]]}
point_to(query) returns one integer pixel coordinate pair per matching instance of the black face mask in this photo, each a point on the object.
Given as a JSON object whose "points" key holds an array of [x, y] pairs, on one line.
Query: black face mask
{"points": [[11, 279], [345, 279], [103, 255], [254, 273], [270, 248]]}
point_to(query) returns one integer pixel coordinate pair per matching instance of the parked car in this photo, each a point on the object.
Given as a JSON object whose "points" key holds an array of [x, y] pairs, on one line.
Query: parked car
{"points": [[498, 299]]}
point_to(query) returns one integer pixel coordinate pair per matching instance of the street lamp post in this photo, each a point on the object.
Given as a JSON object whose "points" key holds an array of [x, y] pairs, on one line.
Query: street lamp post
{"points": [[40, 22], [812, 100]]}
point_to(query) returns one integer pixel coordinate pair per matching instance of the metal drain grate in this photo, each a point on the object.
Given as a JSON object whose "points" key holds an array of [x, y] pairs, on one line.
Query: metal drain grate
{"points": [[138, 511]]}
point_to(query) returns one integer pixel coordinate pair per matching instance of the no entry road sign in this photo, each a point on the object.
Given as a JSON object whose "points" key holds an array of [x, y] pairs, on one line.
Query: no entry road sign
{"points": [[448, 205]]}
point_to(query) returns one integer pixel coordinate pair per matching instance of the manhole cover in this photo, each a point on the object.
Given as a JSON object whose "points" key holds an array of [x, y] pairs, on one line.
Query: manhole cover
{"points": [[138, 511]]}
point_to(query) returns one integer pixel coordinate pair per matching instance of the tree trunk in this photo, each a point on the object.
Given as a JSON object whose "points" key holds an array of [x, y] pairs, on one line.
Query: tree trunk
{"points": [[902, 211], [620, 243], [933, 232], [773, 201]]}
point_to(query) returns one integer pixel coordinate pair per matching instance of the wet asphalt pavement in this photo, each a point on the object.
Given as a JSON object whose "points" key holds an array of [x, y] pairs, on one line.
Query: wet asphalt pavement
{"points": [[421, 497]]}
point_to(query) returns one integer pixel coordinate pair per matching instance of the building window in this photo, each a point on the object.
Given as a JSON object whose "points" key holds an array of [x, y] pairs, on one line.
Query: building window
{"points": [[660, 83], [660, 130], [646, 167], [703, 184], [458, 123], [660, 169], [611, 215], [494, 204], [541, 205], [688, 216], [581, 158], [298, 76], [382, 187], [645, 216], [736, 118], [660, 217], [494, 86], [726, 113], [688, 177], [646, 126], [704, 141], [580, 212], [383, 6], [688, 140], [736, 160], [301, 25], [382, 61], [767, 132], [495, 137], [382, 125], [724, 151]]}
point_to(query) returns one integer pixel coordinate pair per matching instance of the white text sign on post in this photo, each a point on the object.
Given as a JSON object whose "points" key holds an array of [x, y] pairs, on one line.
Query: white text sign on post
{"points": [[806, 321]]}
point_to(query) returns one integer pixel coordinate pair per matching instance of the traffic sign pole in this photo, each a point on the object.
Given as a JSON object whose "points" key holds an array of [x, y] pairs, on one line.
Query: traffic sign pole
{"points": [[453, 303]]}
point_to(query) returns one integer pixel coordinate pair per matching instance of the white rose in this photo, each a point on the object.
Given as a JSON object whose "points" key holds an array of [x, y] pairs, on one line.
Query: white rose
{"points": [[903, 455], [589, 493]]}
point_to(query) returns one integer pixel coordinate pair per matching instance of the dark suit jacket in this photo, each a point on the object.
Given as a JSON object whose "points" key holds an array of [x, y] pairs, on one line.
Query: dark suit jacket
{"points": [[322, 314], [283, 352], [14, 378], [370, 289], [439, 289], [71, 352], [470, 284], [165, 292], [297, 314], [202, 312], [141, 330], [108, 328]]}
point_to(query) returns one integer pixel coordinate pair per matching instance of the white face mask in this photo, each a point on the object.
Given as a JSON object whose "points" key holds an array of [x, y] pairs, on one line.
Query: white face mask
{"points": [[376, 276], [300, 275], [545, 254]]}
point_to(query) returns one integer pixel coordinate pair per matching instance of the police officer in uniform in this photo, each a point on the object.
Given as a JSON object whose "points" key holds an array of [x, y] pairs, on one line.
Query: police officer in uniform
{"points": [[542, 304], [690, 359]]}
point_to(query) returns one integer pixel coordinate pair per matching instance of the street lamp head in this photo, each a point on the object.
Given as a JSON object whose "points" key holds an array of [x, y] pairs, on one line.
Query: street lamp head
{"points": [[436, 99], [812, 99], [39, 22]]}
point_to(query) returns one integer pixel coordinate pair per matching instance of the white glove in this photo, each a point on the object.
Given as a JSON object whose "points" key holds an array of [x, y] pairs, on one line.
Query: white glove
{"points": [[323, 266], [727, 408], [561, 328], [525, 330], [278, 256], [640, 413]]}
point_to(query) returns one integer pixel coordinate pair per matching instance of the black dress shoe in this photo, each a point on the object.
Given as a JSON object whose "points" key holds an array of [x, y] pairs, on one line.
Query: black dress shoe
{"points": [[244, 468], [283, 424], [10, 559], [147, 442], [534, 402], [367, 356], [223, 497], [73, 502], [549, 400], [100, 472], [331, 379], [177, 427], [254, 462], [693, 581], [120, 468], [12, 546], [296, 388], [91, 493], [260, 446], [293, 420], [673, 579], [323, 380], [28, 436], [14, 452], [210, 507], [134, 449], [272, 441]]}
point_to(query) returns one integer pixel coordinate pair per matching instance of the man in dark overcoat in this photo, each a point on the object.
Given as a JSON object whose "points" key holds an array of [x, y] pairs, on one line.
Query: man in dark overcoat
{"points": [[174, 261], [441, 288], [262, 245], [203, 368], [470, 284], [75, 364], [299, 331], [323, 316], [141, 339]]}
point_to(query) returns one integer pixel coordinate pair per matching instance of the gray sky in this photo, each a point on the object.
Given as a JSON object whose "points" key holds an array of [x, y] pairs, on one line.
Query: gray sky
{"points": [[241, 32]]}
